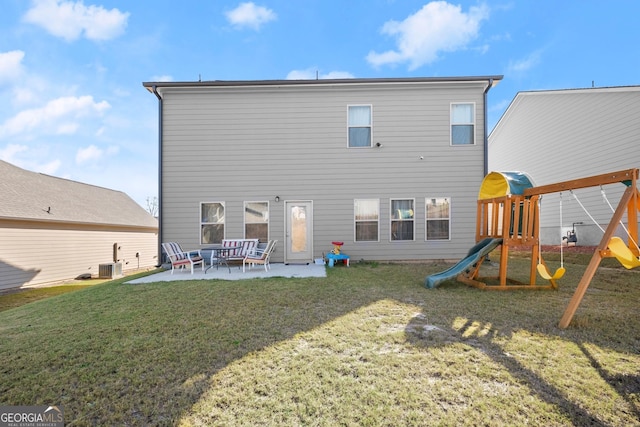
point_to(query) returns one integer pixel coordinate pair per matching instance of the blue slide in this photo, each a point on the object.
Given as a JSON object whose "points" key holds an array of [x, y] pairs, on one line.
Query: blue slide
{"points": [[475, 254]]}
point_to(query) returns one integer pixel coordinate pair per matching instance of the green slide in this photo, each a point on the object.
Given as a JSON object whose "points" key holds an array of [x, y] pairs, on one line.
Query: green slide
{"points": [[475, 254]]}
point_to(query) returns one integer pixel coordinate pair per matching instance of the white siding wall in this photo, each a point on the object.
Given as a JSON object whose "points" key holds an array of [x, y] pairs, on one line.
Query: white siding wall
{"points": [[240, 144], [40, 253], [561, 135]]}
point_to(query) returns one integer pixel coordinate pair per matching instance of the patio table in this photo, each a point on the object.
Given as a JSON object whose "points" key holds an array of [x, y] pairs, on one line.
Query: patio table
{"points": [[219, 255]]}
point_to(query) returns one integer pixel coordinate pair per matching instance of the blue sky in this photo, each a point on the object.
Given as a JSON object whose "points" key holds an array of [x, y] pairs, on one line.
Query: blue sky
{"points": [[71, 72]]}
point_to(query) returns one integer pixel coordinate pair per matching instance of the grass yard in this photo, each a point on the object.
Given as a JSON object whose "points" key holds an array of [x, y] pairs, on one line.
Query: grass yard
{"points": [[366, 346], [16, 298]]}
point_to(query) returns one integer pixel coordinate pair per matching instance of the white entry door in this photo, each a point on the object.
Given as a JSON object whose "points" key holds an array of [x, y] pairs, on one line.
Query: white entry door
{"points": [[299, 229]]}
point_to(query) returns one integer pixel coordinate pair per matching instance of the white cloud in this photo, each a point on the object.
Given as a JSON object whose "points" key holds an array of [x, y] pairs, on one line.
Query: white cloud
{"points": [[500, 106], [48, 168], [93, 153], [68, 128], [89, 153], [121, 92], [23, 95], [437, 27], [23, 157], [162, 78], [32, 90], [57, 116], [483, 49], [8, 154], [251, 16], [337, 75], [525, 64], [312, 73], [10, 65], [69, 20], [25, 88]]}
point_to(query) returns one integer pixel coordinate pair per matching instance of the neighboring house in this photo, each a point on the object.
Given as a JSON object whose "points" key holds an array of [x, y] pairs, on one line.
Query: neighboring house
{"points": [[54, 229], [560, 135], [390, 167]]}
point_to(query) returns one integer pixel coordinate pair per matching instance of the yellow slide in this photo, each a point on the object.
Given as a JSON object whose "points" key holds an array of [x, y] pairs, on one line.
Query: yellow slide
{"points": [[623, 254]]}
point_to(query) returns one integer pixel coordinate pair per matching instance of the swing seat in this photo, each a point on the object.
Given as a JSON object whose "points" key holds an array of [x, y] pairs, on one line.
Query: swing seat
{"points": [[623, 254], [544, 273]]}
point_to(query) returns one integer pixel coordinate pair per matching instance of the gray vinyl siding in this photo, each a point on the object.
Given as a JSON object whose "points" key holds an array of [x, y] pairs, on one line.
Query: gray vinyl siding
{"points": [[561, 135], [237, 144]]}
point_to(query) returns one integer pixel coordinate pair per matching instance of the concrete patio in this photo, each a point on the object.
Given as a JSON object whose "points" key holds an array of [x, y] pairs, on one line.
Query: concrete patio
{"points": [[222, 273]]}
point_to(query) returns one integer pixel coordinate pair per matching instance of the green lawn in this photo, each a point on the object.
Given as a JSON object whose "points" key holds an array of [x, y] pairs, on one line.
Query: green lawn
{"points": [[16, 298], [366, 346]]}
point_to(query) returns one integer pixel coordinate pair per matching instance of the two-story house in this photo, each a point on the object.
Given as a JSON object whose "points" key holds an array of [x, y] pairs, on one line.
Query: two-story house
{"points": [[391, 167]]}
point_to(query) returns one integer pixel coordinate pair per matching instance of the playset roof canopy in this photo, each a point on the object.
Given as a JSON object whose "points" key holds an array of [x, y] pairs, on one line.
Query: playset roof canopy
{"points": [[499, 184]]}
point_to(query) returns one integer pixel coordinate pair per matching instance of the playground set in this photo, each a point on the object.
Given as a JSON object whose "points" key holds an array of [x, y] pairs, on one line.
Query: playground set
{"points": [[508, 215]]}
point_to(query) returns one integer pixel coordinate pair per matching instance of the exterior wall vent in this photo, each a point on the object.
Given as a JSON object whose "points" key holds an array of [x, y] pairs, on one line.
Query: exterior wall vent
{"points": [[110, 270]]}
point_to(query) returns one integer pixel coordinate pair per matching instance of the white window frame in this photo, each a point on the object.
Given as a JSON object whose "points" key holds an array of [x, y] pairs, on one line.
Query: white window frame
{"points": [[244, 216], [356, 220], [427, 201], [472, 123], [202, 223], [370, 126], [392, 219]]}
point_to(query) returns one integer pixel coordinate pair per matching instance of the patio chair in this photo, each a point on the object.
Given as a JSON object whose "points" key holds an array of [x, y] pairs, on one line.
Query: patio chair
{"points": [[261, 256], [180, 258]]}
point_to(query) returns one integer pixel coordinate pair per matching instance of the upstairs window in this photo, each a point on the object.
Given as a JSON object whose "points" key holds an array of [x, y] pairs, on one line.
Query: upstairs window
{"points": [[438, 218], [256, 221], [359, 126], [211, 222], [402, 219], [463, 124], [366, 216]]}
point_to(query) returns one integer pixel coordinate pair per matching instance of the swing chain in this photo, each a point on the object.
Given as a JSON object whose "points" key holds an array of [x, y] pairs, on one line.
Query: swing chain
{"points": [[606, 199], [542, 270]]}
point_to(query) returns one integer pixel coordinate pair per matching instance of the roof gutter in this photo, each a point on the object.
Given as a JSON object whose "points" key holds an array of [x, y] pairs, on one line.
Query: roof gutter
{"points": [[160, 204], [319, 82], [486, 131]]}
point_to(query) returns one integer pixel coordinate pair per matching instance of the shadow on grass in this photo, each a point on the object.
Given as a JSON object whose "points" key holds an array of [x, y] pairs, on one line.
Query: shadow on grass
{"points": [[119, 354], [494, 319], [625, 385], [536, 384], [122, 354]]}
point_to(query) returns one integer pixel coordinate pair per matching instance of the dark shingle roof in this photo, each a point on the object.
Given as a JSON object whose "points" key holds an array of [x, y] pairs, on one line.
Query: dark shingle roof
{"points": [[38, 197]]}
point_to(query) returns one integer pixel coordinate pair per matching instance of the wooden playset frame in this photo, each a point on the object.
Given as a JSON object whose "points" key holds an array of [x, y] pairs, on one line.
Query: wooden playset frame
{"points": [[515, 220]]}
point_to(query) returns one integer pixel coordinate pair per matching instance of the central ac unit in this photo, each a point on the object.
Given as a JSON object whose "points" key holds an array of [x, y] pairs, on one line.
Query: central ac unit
{"points": [[110, 270]]}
